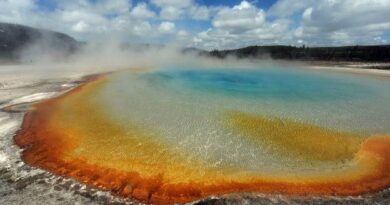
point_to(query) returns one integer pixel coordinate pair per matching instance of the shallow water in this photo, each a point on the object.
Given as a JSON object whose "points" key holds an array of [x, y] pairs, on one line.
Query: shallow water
{"points": [[176, 135], [185, 107]]}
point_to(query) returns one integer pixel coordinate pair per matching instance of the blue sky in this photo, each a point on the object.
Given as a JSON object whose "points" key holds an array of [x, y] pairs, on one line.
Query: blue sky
{"points": [[210, 24]]}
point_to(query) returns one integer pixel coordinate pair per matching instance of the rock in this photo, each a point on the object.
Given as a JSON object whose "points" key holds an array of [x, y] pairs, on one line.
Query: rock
{"points": [[21, 184], [57, 188]]}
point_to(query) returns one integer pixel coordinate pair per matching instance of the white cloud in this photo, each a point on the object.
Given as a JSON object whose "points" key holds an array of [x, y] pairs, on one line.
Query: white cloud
{"points": [[284, 8], [17, 11], [173, 3], [142, 11], [166, 27], [242, 25], [80, 15], [240, 18], [171, 13], [80, 26], [113, 6], [335, 15], [182, 33], [320, 22], [344, 22], [181, 9], [142, 28], [100, 6], [199, 13]]}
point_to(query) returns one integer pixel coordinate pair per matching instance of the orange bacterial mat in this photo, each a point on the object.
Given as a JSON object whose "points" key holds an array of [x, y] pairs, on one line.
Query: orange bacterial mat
{"points": [[71, 136]]}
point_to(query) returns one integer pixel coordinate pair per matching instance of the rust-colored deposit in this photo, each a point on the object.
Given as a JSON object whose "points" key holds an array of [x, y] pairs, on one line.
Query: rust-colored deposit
{"points": [[70, 136]]}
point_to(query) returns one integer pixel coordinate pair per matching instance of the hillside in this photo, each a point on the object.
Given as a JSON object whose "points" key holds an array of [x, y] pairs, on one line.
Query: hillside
{"points": [[14, 38], [379, 53]]}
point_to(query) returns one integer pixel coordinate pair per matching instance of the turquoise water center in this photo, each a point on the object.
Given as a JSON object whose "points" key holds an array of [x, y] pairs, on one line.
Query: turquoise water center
{"points": [[185, 108]]}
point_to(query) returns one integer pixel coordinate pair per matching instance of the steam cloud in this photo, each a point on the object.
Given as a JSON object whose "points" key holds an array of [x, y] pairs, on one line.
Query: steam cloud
{"points": [[102, 55]]}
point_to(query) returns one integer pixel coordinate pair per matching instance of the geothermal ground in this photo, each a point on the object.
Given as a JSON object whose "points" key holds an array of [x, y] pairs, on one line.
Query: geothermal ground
{"points": [[21, 183]]}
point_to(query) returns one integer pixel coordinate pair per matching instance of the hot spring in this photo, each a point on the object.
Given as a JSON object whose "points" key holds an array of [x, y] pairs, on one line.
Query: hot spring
{"points": [[176, 135]]}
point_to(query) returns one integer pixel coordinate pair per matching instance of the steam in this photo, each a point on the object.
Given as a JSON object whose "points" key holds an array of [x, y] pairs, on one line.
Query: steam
{"points": [[103, 55]]}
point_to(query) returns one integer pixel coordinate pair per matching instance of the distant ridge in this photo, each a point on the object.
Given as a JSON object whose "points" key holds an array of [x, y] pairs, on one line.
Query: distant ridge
{"points": [[374, 53], [14, 38]]}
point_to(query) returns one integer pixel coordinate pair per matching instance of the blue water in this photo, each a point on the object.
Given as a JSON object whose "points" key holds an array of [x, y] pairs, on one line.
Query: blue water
{"points": [[266, 83], [341, 101], [187, 108]]}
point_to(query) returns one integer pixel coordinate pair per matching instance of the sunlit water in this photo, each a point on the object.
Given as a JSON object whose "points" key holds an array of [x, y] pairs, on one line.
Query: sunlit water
{"points": [[185, 107], [175, 135]]}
